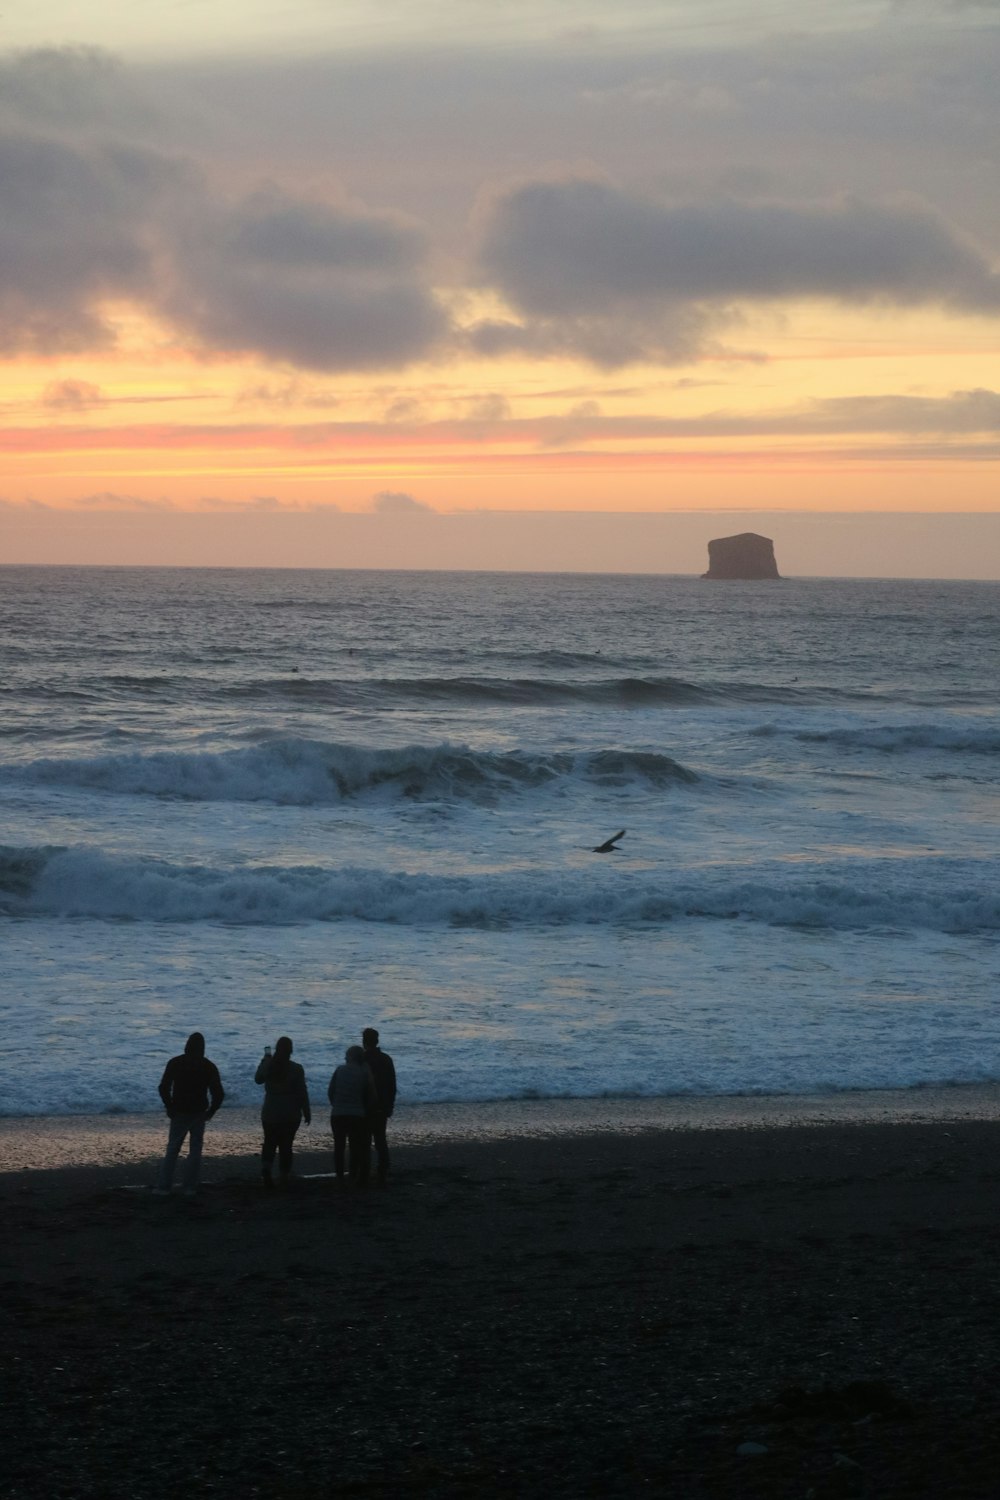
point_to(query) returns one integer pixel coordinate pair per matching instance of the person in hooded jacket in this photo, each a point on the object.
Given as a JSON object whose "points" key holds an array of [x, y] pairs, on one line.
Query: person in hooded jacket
{"points": [[192, 1092]]}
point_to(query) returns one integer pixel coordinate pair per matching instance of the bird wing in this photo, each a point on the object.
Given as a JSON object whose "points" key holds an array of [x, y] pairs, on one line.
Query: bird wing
{"points": [[610, 843]]}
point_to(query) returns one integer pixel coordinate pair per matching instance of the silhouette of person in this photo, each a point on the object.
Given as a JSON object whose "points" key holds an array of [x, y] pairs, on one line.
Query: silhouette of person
{"points": [[352, 1096], [384, 1073], [286, 1105], [192, 1091]]}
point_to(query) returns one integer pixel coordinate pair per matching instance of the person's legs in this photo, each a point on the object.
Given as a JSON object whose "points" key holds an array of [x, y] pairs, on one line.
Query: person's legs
{"points": [[378, 1123], [267, 1153], [179, 1126], [286, 1135], [196, 1139], [359, 1137], [339, 1125]]}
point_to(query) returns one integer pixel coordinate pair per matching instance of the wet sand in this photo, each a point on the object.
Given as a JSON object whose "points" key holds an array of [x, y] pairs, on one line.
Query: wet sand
{"points": [[121, 1140], [760, 1308]]}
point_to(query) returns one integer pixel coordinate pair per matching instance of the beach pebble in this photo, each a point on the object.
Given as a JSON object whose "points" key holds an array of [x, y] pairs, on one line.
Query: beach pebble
{"points": [[751, 1450]]}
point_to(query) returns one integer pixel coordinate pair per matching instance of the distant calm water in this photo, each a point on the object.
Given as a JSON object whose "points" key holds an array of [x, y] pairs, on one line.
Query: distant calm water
{"points": [[255, 802]]}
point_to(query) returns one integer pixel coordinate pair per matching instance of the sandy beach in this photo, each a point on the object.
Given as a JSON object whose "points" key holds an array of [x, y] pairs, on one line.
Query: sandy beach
{"points": [[756, 1306]]}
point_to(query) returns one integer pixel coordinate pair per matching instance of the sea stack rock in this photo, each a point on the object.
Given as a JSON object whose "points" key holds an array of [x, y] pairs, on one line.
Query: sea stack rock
{"points": [[745, 556]]}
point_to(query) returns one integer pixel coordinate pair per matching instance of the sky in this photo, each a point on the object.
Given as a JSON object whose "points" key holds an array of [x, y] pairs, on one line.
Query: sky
{"points": [[444, 283]]}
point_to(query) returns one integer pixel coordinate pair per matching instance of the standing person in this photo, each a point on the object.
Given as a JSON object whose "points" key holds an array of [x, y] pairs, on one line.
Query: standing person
{"points": [[192, 1091], [286, 1105], [384, 1073], [352, 1097]]}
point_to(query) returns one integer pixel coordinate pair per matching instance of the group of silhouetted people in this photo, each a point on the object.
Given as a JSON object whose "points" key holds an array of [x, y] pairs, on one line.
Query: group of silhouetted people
{"points": [[362, 1096]]}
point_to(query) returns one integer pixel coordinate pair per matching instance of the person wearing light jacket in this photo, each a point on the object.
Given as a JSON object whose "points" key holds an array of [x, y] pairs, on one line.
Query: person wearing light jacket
{"points": [[352, 1098]]}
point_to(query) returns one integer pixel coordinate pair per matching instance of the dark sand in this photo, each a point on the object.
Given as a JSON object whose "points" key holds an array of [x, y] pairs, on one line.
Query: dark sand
{"points": [[560, 1314]]}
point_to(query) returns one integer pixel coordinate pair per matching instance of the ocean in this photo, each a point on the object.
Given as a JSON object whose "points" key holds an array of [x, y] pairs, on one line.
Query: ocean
{"points": [[259, 801]]}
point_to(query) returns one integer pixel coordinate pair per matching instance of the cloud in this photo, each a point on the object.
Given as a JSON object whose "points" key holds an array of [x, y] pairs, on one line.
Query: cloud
{"points": [[620, 274], [489, 408], [71, 235], [961, 412], [18, 507], [89, 217], [581, 422], [72, 396], [321, 286], [72, 89], [398, 503], [130, 184], [111, 500], [270, 228], [286, 394], [318, 286], [404, 409]]}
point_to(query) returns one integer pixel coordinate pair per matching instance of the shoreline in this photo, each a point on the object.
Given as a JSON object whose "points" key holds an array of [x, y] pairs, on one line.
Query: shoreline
{"points": [[54, 1142]]}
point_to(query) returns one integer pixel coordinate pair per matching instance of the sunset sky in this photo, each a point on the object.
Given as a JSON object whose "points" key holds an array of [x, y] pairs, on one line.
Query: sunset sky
{"points": [[453, 283]]}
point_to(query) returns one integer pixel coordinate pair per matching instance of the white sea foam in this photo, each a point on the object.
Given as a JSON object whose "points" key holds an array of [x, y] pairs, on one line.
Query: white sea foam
{"points": [[940, 895]]}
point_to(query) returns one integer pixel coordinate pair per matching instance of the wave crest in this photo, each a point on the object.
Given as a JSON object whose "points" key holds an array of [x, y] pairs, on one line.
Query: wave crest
{"points": [[943, 896], [299, 772]]}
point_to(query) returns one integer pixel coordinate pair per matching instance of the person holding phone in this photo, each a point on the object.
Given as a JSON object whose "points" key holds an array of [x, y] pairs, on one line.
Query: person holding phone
{"points": [[286, 1105]]}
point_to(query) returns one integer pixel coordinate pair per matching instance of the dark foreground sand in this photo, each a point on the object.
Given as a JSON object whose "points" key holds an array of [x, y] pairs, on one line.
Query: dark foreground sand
{"points": [[599, 1314]]}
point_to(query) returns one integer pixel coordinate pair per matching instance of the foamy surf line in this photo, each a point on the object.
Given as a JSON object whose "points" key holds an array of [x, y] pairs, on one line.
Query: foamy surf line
{"points": [[50, 1142], [936, 893]]}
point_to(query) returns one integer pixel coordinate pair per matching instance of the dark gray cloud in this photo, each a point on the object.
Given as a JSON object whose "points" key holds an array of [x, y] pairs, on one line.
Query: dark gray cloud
{"points": [[296, 280], [563, 247], [866, 110], [745, 172], [673, 334], [72, 89], [329, 323], [320, 286], [270, 228], [72, 232], [578, 254]]}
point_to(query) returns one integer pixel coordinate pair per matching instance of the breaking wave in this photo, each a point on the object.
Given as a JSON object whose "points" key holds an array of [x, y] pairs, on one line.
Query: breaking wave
{"points": [[82, 882], [301, 772]]}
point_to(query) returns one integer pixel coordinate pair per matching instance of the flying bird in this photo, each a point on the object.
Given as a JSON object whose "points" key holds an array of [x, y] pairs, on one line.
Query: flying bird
{"points": [[610, 845]]}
